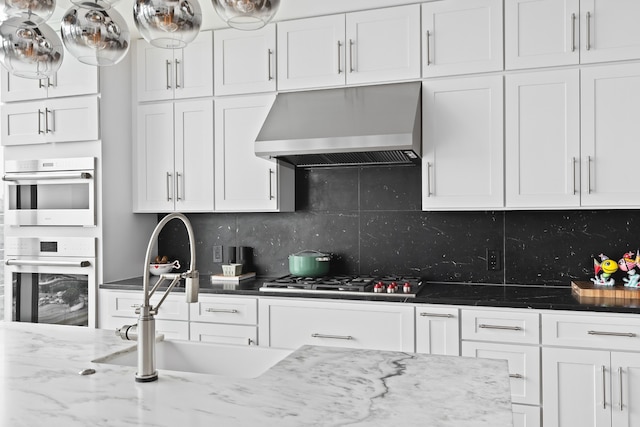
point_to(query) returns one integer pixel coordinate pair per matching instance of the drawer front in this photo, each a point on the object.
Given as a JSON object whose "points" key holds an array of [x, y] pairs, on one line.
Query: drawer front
{"points": [[511, 326], [172, 329], [524, 367], [123, 304], [290, 324], [241, 311], [592, 331], [526, 416], [224, 334]]}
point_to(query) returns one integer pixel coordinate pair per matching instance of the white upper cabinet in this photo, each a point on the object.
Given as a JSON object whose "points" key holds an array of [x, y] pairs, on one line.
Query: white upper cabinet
{"points": [[541, 33], [609, 130], [354, 48], [542, 148], [165, 74], [461, 37], [244, 182], [174, 157], [311, 52], [73, 78], [463, 161], [50, 120], [245, 61]]}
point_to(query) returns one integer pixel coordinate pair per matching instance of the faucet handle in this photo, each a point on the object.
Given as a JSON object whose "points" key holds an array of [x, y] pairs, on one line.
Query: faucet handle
{"points": [[192, 286]]}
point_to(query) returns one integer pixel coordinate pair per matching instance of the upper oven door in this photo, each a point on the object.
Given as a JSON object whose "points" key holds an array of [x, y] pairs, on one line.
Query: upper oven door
{"points": [[50, 192]]}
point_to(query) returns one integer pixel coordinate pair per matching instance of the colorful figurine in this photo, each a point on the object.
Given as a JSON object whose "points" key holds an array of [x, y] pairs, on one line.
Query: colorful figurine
{"points": [[632, 280], [607, 267]]}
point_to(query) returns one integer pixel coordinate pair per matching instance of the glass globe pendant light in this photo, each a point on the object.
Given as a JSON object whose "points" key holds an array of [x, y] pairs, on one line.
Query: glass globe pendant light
{"points": [[29, 50], [95, 34], [168, 24], [36, 11], [246, 14]]}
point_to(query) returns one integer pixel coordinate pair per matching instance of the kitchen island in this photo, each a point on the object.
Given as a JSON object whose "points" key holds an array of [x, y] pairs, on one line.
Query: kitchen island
{"points": [[319, 386]]}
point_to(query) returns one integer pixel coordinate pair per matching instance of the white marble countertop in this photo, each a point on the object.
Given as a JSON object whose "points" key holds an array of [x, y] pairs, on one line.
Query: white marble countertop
{"points": [[319, 386]]}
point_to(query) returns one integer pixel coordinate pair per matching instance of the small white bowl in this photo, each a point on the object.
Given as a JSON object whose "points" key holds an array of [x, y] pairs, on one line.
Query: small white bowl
{"points": [[158, 269]]}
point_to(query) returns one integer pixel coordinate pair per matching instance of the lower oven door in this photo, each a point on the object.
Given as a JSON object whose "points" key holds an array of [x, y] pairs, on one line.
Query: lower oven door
{"points": [[50, 289]]}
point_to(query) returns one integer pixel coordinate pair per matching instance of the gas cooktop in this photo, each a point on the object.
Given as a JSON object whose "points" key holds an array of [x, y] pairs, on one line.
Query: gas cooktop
{"points": [[387, 286]]}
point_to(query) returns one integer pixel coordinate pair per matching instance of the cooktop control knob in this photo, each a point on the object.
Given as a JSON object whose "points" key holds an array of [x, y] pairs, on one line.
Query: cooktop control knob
{"points": [[378, 287], [392, 288]]}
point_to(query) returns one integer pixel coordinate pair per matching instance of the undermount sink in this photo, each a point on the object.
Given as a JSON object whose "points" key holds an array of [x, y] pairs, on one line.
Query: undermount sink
{"points": [[205, 358]]}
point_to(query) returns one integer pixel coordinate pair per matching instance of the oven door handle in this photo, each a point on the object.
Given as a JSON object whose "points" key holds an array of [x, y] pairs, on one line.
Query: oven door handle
{"points": [[51, 263], [43, 176]]}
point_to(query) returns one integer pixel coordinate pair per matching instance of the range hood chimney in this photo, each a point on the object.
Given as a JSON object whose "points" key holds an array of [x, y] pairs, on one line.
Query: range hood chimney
{"points": [[349, 126]]}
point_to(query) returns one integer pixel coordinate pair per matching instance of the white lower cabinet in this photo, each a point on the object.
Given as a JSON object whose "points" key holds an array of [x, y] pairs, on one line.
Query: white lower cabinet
{"points": [[291, 323], [117, 308], [512, 335], [224, 320], [437, 330], [588, 380]]}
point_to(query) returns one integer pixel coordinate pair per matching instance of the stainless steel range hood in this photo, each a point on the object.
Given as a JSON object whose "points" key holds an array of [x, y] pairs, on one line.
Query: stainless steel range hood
{"points": [[346, 126]]}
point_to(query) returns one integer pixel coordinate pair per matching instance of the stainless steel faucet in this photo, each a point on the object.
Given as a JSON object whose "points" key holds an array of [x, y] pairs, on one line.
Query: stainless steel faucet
{"points": [[145, 330]]}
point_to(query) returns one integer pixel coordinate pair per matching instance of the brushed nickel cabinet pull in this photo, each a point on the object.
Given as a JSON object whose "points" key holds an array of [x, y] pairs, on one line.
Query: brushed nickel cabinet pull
{"points": [[221, 310], [339, 59], [613, 334], [573, 32], [510, 328], [588, 30], [48, 112], [168, 186], [426, 314], [178, 186], [351, 56], [40, 131], [334, 337], [177, 63], [573, 171], [429, 193], [167, 72], [517, 376], [620, 383], [428, 48], [271, 172], [270, 54], [604, 388], [588, 174]]}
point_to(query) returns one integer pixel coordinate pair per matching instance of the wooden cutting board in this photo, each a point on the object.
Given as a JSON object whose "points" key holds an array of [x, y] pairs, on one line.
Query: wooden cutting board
{"points": [[588, 292]]}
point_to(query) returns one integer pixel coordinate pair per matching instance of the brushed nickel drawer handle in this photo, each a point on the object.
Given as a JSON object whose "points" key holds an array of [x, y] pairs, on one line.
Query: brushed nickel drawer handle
{"points": [[510, 328], [334, 337], [221, 310], [621, 391], [426, 314], [518, 376], [613, 334]]}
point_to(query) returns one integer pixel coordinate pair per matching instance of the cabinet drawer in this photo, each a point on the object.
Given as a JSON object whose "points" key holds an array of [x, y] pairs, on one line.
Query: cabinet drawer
{"points": [[511, 326], [593, 331], [123, 304], [290, 324], [224, 334], [243, 311], [524, 367]]}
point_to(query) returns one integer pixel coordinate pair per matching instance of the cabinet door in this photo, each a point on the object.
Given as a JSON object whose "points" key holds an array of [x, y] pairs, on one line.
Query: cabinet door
{"points": [[74, 78], [23, 123], [625, 385], [292, 323], [193, 68], [224, 334], [72, 119], [526, 416], [524, 367], [609, 30], [383, 44], [244, 61], [21, 89], [610, 110], [540, 33], [193, 180], [311, 52], [462, 164], [542, 149], [576, 386], [154, 169], [155, 72], [243, 182], [461, 37], [437, 330]]}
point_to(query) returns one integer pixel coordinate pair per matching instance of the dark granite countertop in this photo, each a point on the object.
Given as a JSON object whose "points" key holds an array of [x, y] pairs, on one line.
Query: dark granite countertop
{"points": [[480, 295]]}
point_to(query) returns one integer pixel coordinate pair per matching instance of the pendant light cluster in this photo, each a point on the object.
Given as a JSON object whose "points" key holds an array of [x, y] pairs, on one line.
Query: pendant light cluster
{"points": [[96, 34]]}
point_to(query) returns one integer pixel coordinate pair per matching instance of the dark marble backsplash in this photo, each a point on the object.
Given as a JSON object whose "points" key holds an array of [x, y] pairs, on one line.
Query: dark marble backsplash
{"points": [[370, 219]]}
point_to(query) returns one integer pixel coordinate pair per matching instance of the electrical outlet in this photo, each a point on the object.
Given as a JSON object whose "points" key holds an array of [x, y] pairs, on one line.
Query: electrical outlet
{"points": [[217, 253], [493, 259]]}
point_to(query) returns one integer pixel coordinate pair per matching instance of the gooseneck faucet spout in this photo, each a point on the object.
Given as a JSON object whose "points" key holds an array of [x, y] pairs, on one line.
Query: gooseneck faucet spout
{"points": [[145, 330]]}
